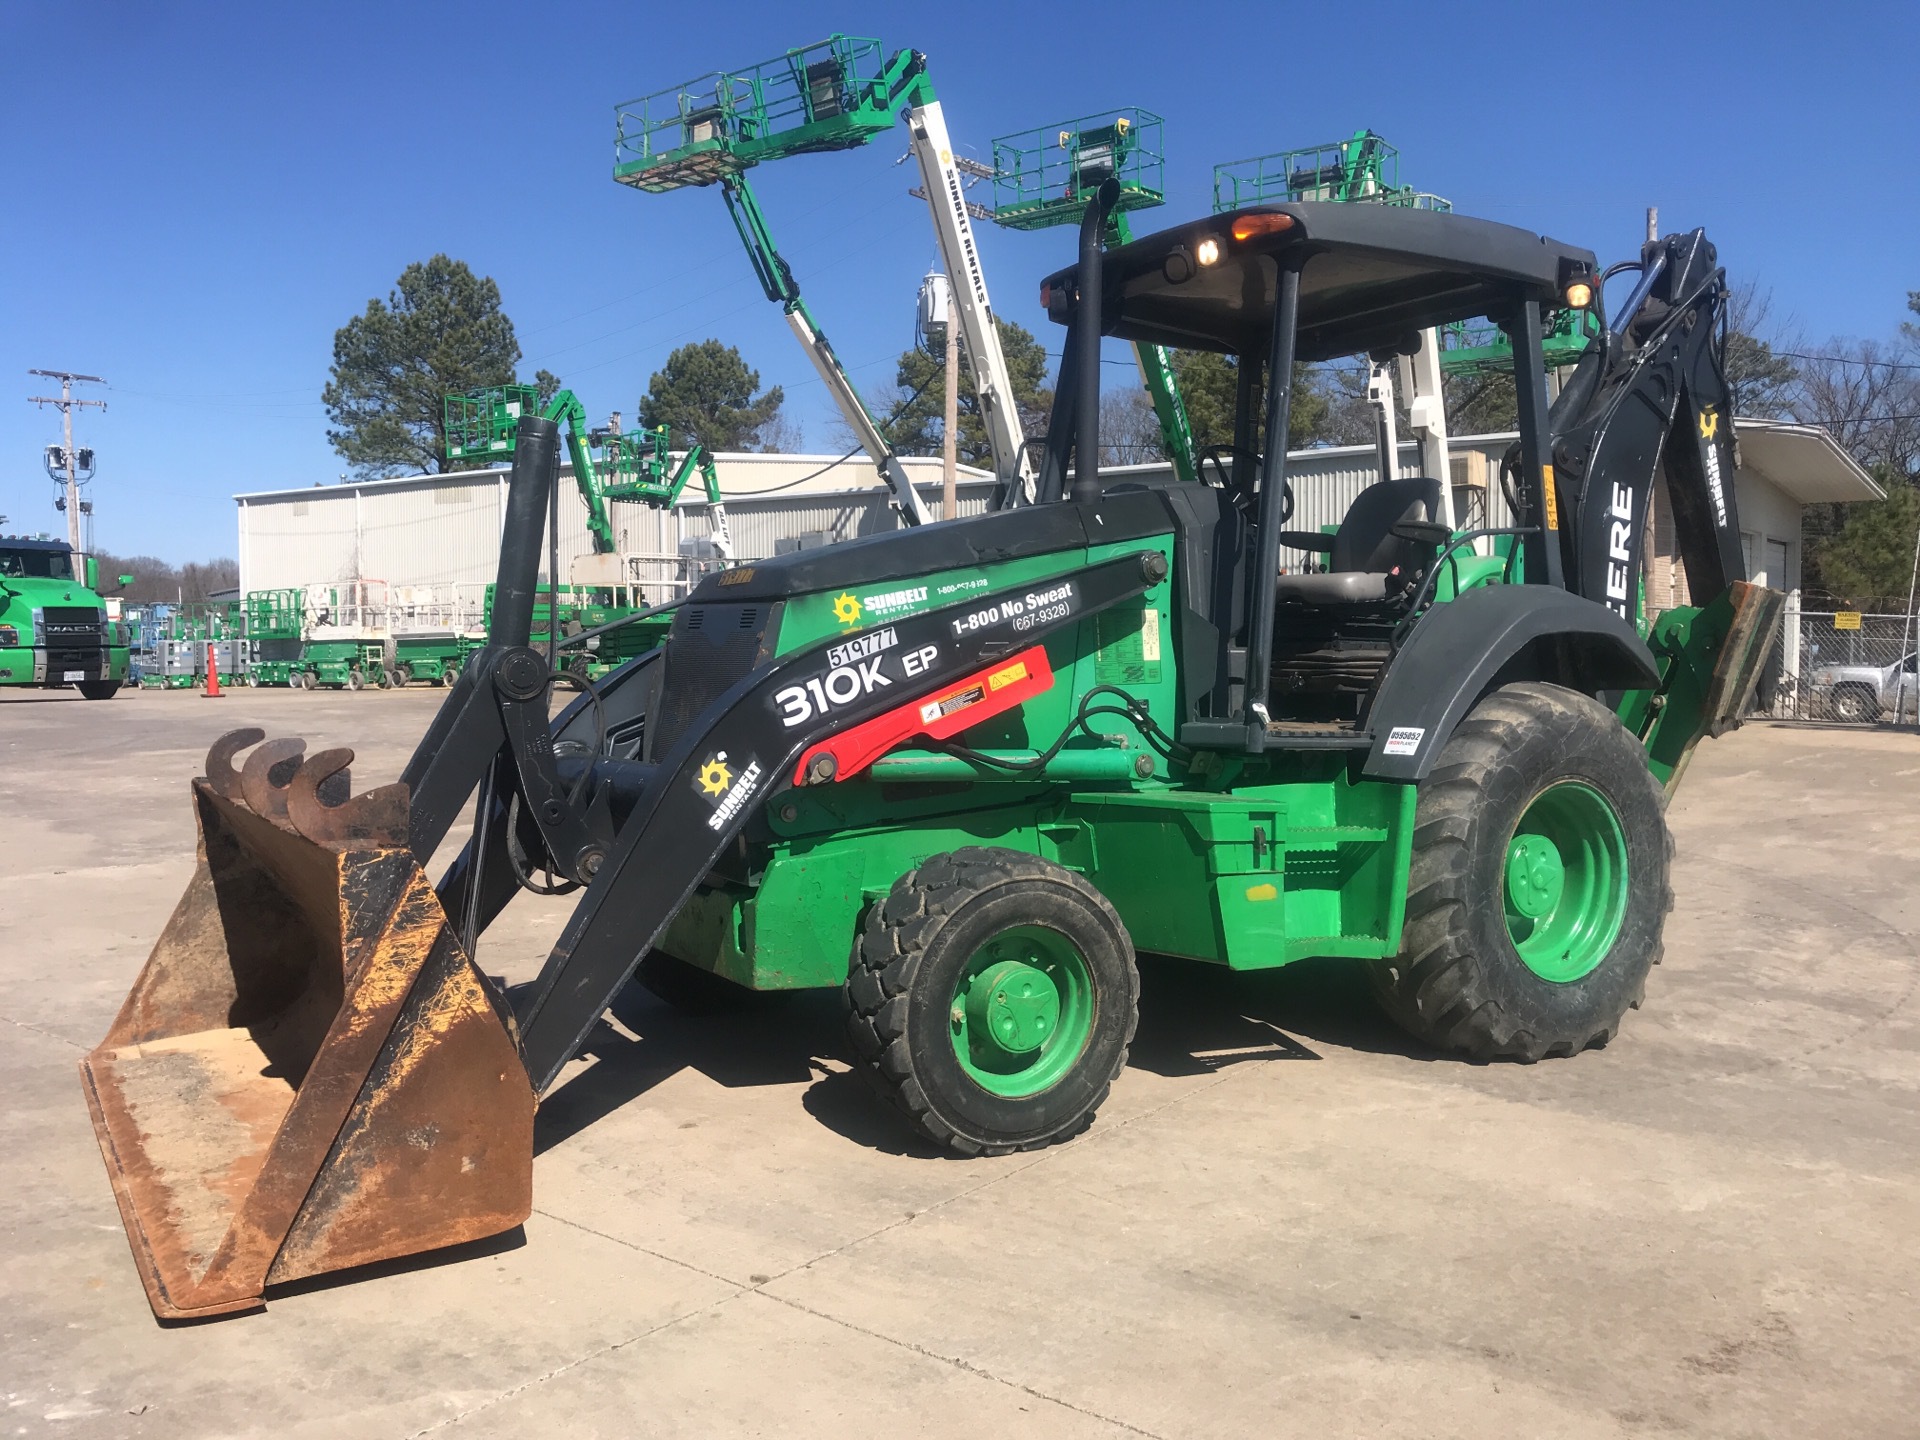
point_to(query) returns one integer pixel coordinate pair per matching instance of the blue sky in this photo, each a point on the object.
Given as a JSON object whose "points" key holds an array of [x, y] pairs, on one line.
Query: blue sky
{"points": [[200, 194]]}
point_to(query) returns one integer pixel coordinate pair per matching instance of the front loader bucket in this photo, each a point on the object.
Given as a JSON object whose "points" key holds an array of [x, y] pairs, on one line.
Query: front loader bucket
{"points": [[310, 1073]]}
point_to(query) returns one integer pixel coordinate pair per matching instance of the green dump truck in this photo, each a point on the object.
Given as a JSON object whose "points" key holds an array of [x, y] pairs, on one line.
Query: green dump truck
{"points": [[54, 630]]}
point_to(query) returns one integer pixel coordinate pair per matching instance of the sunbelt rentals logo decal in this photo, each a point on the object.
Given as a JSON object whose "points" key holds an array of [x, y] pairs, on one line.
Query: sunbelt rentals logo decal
{"points": [[852, 610], [718, 781]]}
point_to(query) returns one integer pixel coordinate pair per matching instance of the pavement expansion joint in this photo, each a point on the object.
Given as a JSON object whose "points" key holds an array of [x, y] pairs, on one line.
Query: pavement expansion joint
{"points": [[27, 1025], [967, 1366], [573, 1364]]}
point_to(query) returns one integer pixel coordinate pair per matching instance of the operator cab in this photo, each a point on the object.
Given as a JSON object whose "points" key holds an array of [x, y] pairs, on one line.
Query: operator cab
{"points": [[1315, 615]]}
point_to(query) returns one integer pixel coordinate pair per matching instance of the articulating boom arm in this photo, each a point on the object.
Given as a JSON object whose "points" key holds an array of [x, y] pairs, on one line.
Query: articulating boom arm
{"points": [[565, 407], [953, 229], [776, 279]]}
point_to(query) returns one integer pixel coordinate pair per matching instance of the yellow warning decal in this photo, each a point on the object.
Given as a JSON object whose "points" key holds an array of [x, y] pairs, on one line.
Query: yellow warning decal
{"points": [[737, 577], [1709, 423], [1263, 892], [1000, 679], [1552, 499]]}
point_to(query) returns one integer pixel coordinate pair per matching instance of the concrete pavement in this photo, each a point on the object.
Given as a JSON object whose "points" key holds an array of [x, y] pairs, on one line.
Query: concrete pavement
{"points": [[1288, 1220]]}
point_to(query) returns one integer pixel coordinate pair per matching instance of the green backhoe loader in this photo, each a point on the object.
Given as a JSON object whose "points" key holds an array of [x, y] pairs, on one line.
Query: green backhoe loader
{"points": [[963, 772]]}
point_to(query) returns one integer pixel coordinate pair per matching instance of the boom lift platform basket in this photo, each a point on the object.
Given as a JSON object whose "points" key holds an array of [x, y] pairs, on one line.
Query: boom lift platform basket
{"points": [[831, 95], [1048, 176]]}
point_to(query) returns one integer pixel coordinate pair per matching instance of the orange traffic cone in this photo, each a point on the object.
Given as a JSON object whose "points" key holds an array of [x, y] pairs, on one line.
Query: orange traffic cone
{"points": [[213, 674]]}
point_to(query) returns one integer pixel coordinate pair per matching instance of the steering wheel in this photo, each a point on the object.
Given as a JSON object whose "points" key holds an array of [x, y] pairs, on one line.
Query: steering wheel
{"points": [[1241, 494]]}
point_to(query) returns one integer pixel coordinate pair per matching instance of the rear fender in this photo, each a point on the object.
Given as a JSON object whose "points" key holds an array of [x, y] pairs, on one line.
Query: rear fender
{"points": [[1487, 637]]}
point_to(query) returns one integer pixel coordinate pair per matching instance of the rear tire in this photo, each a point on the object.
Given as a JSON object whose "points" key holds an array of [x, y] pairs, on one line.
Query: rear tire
{"points": [[99, 689], [1855, 705], [306, 680], [355, 680], [402, 676], [1539, 883], [992, 999]]}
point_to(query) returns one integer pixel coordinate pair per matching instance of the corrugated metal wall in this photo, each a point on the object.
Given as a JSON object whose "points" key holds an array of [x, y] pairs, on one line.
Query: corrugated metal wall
{"points": [[444, 530]]}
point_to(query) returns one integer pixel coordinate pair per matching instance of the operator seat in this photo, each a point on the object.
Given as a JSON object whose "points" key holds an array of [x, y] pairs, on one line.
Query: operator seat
{"points": [[1364, 552]]}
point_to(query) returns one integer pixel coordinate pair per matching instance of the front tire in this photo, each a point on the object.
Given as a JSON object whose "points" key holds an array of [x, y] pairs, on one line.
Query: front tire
{"points": [[402, 676], [99, 689], [992, 999], [1539, 883]]}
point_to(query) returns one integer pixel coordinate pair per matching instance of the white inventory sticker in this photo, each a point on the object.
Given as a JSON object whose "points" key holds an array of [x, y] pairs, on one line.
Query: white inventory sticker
{"points": [[1404, 740], [73, 675]]}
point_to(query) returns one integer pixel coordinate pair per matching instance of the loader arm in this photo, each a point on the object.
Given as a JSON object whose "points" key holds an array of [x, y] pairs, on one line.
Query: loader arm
{"points": [[683, 812], [741, 752]]}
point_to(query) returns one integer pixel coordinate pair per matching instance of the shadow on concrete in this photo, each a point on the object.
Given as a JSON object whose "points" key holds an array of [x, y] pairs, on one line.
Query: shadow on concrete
{"points": [[1194, 1020], [1197, 1018], [767, 1040], [846, 1104], [404, 1265]]}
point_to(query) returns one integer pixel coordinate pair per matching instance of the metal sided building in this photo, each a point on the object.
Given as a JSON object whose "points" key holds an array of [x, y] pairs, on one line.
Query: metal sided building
{"points": [[443, 531]]}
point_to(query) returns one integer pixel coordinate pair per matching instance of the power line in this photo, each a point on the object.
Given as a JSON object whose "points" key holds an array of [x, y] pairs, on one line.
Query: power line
{"points": [[1847, 360]]}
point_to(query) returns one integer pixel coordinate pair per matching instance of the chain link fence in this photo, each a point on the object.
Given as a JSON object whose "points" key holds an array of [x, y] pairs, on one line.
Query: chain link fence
{"points": [[1841, 666]]}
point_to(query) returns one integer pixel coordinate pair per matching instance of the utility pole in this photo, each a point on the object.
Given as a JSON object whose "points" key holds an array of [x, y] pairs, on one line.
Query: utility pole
{"points": [[69, 457]]}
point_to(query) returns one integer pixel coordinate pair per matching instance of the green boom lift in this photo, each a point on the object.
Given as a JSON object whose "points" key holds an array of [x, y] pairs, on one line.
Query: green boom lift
{"points": [[1048, 177], [608, 464], [836, 94], [1366, 169]]}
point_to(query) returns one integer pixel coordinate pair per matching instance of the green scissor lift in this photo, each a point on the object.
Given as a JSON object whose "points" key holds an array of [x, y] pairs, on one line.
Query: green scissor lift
{"points": [[1366, 169], [1047, 177], [275, 631]]}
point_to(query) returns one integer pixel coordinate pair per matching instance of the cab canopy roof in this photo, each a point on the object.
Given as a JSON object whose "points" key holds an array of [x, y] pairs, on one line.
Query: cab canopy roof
{"points": [[1372, 277]]}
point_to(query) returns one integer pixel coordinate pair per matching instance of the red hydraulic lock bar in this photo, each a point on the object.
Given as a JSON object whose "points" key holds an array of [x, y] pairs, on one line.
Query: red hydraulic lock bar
{"points": [[940, 716]]}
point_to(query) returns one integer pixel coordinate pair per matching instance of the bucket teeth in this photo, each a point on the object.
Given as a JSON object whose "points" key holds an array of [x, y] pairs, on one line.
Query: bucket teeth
{"points": [[221, 775], [321, 810], [266, 775]]}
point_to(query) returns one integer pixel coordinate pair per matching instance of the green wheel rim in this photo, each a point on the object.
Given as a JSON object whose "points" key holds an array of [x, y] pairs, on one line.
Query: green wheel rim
{"points": [[1565, 881], [1022, 1011]]}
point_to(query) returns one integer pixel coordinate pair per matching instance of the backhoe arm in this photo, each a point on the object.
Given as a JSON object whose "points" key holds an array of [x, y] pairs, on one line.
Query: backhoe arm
{"points": [[1651, 400]]}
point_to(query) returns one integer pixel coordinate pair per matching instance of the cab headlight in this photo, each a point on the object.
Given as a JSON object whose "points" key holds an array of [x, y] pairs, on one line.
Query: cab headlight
{"points": [[9, 634]]}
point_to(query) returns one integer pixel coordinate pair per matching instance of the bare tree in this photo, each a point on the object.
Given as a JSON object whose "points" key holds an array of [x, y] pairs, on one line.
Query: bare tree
{"points": [[1761, 378], [1129, 430], [1867, 395]]}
